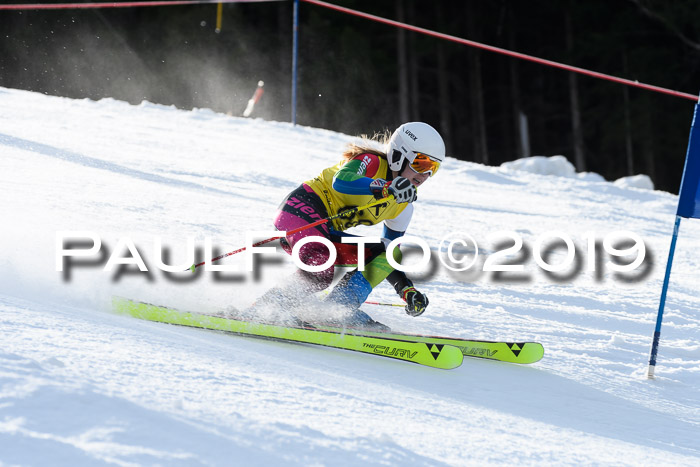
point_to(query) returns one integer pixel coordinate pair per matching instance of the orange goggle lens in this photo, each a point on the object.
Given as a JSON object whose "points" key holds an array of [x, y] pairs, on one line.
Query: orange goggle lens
{"points": [[424, 164]]}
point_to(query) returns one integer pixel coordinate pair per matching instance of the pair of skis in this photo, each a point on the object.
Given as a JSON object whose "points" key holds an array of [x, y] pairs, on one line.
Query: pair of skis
{"points": [[433, 351]]}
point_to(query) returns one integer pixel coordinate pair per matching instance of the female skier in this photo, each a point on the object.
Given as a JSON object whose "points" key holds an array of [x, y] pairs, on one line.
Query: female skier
{"points": [[413, 154]]}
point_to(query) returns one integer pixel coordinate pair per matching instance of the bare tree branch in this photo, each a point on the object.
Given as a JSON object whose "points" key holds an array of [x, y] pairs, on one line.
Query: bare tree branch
{"points": [[665, 22]]}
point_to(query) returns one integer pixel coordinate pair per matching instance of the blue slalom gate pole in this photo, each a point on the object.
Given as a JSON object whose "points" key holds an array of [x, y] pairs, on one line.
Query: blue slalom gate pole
{"points": [[295, 46], [689, 207], [662, 302]]}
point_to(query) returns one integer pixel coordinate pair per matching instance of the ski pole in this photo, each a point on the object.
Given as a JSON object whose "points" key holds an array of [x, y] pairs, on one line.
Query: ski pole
{"points": [[385, 304], [298, 229], [368, 302]]}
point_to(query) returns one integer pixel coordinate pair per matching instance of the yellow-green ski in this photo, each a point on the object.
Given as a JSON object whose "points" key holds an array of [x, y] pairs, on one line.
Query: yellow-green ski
{"points": [[502, 351], [436, 355]]}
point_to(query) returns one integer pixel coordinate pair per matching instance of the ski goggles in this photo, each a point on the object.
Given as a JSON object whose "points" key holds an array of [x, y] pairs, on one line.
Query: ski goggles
{"points": [[422, 163]]}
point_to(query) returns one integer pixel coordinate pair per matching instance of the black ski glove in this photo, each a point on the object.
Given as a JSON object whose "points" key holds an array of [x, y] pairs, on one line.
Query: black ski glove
{"points": [[402, 189], [416, 302]]}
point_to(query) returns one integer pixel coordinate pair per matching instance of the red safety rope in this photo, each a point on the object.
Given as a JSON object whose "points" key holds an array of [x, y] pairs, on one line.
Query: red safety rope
{"points": [[66, 6], [379, 19]]}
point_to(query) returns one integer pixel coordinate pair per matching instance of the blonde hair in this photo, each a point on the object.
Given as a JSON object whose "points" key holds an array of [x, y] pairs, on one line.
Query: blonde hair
{"points": [[368, 145]]}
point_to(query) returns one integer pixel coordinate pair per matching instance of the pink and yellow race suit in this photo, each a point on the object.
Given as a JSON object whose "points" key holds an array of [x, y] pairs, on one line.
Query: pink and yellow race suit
{"points": [[335, 190]]}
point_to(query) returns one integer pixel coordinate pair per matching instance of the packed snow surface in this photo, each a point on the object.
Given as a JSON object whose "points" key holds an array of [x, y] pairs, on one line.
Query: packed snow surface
{"points": [[80, 385], [635, 181]]}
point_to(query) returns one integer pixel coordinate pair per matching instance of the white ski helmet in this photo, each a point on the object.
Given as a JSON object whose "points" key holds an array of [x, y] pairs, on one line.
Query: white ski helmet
{"points": [[411, 138]]}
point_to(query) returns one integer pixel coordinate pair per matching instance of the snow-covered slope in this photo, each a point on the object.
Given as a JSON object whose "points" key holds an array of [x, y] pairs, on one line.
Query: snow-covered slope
{"points": [[82, 386]]}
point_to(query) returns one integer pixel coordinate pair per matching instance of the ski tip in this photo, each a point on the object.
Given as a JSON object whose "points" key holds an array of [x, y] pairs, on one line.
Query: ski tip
{"points": [[449, 357], [445, 357]]}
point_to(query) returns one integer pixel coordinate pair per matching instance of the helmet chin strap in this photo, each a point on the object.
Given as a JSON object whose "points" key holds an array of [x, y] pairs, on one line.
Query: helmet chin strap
{"points": [[404, 164]]}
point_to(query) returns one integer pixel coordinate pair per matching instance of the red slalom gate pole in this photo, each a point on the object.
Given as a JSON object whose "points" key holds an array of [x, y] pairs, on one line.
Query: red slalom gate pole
{"points": [[298, 229]]}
